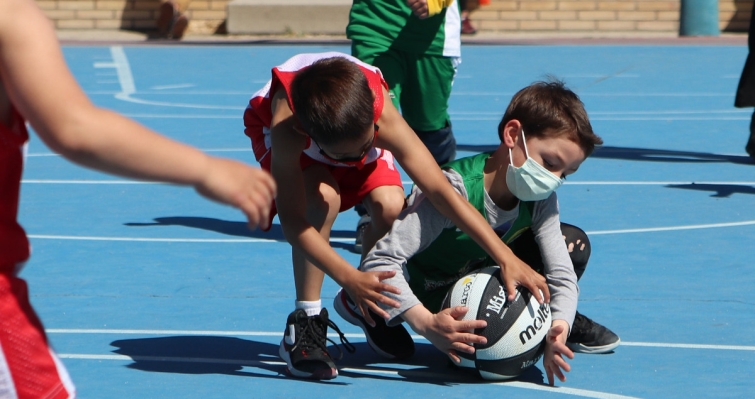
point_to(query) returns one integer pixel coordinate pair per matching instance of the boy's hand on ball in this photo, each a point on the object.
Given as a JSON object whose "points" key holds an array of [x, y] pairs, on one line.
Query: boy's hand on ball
{"points": [[555, 349], [449, 334], [516, 273]]}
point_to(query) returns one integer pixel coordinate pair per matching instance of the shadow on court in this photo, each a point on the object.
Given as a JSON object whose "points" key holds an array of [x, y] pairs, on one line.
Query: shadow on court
{"points": [[718, 190], [643, 154], [238, 229], [241, 357]]}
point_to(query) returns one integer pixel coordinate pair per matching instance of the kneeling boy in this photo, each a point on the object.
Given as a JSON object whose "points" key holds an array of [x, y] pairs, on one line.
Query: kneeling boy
{"points": [[545, 136]]}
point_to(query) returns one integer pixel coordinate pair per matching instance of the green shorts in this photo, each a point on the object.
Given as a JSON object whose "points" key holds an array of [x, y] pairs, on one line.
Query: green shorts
{"points": [[420, 85]]}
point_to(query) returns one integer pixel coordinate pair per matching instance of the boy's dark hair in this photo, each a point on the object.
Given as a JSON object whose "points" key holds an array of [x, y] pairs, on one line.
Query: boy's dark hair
{"points": [[549, 109], [332, 100]]}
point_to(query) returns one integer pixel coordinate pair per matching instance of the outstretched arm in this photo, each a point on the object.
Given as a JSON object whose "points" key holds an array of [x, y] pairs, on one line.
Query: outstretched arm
{"points": [[37, 81], [287, 145], [411, 153]]}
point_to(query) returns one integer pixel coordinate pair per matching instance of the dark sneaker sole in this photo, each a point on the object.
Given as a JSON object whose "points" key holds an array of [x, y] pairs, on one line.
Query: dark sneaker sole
{"points": [[580, 348], [343, 310], [322, 374]]}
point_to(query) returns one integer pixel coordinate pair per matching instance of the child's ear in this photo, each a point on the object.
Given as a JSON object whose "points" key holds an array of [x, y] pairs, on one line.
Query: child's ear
{"points": [[510, 134]]}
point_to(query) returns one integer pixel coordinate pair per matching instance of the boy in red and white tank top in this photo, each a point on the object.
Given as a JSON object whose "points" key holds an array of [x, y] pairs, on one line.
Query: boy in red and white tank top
{"points": [[327, 129]]}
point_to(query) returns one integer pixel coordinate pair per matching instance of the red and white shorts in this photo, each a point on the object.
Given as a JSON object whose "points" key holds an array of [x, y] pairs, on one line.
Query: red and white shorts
{"points": [[353, 183], [29, 369]]}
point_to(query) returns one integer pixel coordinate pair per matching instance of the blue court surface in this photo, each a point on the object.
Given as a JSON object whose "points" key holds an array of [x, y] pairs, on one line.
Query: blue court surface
{"points": [[150, 291]]}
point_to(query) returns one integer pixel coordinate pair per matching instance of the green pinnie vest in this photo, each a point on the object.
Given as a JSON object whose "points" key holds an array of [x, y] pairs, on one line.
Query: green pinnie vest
{"points": [[454, 254]]}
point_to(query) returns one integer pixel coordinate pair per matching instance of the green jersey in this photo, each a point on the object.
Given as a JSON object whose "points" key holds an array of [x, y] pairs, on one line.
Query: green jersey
{"points": [[453, 253], [390, 23]]}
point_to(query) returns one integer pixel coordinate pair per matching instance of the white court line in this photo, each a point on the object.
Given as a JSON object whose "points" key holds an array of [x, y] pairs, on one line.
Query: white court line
{"points": [[177, 86], [599, 94], [564, 390], [409, 182], [380, 371], [690, 346], [128, 87], [52, 154], [249, 93], [672, 228], [178, 116], [659, 183], [263, 240], [38, 181], [145, 239], [622, 113], [350, 335], [658, 118], [122, 67]]}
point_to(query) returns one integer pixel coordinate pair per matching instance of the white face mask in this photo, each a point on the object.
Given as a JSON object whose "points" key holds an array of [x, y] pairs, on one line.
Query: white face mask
{"points": [[531, 181]]}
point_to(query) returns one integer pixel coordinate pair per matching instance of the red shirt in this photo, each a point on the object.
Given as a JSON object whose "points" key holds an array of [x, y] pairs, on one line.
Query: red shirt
{"points": [[14, 246]]}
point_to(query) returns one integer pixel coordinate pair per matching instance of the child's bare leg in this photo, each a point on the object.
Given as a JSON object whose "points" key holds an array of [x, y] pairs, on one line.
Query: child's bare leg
{"points": [[306, 327], [323, 202], [383, 204]]}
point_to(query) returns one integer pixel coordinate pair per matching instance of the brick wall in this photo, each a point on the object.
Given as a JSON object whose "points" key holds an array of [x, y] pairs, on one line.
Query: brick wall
{"points": [[205, 16], [513, 16], [599, 16]]}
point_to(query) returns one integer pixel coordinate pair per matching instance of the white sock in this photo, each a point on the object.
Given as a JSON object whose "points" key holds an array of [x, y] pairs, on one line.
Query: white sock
{"points": [[312, 308]]}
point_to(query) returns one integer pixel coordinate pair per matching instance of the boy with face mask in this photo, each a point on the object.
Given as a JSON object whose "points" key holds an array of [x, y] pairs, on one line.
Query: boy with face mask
{"points": [[545, 136]]}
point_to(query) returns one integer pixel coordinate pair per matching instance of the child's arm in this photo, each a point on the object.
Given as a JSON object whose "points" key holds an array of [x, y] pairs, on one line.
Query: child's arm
{"points": [[287, 145], [397, 137], [39, 84], [562, 280], [555, 350]]}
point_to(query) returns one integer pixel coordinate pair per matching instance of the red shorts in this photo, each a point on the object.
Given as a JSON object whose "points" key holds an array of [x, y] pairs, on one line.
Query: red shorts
{"points": [[353, 183], [28, 366]]}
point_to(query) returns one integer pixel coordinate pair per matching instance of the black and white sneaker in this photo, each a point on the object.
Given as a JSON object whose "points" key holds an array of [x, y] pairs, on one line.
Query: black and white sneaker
{"points": [[304, 345], [390, 342], [588, 336], [362, 224]]}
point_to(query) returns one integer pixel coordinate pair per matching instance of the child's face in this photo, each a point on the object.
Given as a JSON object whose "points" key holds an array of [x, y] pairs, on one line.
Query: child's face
{"points": [[559, 155], [351, 151]]}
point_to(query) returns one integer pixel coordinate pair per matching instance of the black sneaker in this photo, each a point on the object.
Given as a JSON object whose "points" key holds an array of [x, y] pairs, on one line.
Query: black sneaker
{"points": [[588, 336], [750, 147], [364, 221], [390, 342], [304, 345]]}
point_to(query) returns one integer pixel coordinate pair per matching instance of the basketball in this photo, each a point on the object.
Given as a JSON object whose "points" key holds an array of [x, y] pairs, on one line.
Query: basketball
{"points": [[515, 332]]}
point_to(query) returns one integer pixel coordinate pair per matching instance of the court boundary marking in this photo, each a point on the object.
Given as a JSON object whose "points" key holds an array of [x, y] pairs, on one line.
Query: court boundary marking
{"points": [[404, 182], [266, 240], [383, 371], [355, 335]]}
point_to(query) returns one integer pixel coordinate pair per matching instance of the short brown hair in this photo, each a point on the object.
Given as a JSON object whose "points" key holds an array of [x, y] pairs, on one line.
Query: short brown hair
{"points": [[332, 100], [549, 109]]}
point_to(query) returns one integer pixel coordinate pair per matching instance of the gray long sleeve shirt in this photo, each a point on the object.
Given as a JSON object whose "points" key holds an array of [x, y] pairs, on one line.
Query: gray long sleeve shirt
{"points": [[420, 224]]}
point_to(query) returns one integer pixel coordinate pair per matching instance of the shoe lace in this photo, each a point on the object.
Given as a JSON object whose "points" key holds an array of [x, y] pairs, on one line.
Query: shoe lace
{"points": [[314, 335]]}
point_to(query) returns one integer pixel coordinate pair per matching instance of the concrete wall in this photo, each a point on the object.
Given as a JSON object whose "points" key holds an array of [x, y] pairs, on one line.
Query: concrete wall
{"points": [[503, 16]]}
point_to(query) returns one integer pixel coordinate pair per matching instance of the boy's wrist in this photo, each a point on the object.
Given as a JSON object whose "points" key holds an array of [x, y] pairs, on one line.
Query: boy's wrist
{"points": [[565, 333], [418, 318]]}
